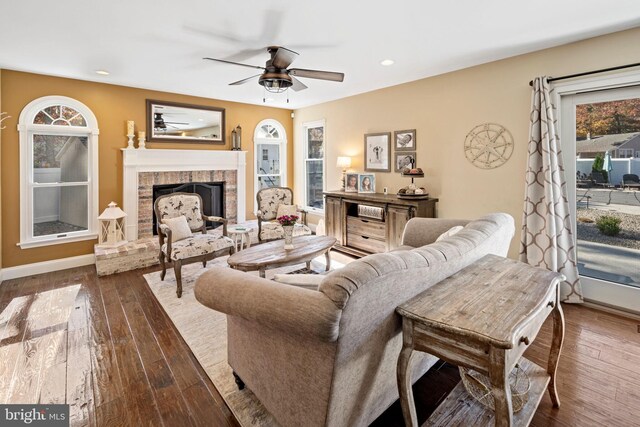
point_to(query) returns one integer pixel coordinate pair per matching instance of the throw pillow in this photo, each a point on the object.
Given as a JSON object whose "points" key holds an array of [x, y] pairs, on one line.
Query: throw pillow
{"points": [[179, 228], [450, 232], [308, 281], [286, 210]]}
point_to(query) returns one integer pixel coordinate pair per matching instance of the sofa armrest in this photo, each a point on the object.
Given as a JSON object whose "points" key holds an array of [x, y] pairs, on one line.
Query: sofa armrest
{"points": [[423, 231], [288, 308]]}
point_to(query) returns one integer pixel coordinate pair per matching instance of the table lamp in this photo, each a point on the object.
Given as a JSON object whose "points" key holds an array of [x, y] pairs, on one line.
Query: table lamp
{"points": [[343, 162]]}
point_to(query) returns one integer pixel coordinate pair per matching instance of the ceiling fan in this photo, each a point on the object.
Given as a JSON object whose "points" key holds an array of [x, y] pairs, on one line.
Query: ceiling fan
{"points": [[277, 77], [160, 124]]}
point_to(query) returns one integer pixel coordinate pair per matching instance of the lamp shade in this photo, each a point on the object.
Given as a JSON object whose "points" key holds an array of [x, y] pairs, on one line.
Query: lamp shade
{"points": [[344, 162]]}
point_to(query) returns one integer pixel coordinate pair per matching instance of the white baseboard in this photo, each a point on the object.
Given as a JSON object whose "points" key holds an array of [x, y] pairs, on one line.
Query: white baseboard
{"points": [[8, 273]]}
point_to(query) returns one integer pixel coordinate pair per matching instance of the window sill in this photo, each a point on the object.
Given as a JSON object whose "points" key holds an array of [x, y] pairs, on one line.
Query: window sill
{"points": [[314, 211], [60, 241]]}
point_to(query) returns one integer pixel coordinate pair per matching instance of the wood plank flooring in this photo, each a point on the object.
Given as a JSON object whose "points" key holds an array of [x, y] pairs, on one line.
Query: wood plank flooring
{"points": [[106, 347]]}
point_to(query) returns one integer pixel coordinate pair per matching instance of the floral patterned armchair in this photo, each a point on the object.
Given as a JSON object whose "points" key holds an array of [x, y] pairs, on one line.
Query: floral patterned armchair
{"points": [[199, 246], [268, 201]]}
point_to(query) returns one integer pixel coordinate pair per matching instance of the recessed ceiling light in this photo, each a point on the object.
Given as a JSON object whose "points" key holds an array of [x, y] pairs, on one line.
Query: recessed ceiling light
{"points": [[102, 72], [201, 120], [386, 62]]}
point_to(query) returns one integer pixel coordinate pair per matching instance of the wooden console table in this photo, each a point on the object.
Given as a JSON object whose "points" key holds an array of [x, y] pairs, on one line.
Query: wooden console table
{"points": [[361, 236], [483, 318]]}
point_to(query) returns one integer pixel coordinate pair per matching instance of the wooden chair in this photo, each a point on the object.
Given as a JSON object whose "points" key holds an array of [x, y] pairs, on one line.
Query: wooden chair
{"points": [[199, 247], [268, 201]]}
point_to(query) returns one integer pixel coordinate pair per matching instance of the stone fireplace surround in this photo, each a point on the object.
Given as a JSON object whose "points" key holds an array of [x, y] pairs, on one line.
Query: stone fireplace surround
{"points": [[144, 168]]}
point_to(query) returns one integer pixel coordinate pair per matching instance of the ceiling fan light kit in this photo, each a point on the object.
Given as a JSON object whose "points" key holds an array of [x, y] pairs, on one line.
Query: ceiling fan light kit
{"points": [[276, 77]]}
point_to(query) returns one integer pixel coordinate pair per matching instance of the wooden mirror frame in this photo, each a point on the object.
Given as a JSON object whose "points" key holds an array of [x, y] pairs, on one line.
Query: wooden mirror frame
{"points": [[150, 136]]}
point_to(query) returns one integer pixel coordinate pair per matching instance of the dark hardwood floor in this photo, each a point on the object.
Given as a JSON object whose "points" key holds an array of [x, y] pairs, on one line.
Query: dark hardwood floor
{"points": [[138, 370], [122, 362]]}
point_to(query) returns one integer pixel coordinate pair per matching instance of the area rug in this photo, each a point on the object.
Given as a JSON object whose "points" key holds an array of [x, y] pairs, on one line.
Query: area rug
{"points": [[205, 332]]}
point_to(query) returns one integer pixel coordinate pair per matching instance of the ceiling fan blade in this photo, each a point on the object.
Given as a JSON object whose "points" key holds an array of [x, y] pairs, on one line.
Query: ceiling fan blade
{"points": [[244, 54], [283, 58], [297, 85], [243, 81], [234, 63], [317, 74]]}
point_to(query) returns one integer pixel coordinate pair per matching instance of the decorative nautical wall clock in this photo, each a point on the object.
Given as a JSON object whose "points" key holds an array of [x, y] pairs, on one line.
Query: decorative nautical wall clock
{"points": [[488, 145]]}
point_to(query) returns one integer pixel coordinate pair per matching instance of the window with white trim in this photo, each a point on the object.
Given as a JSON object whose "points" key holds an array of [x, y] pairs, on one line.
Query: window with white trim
{"points": [[314, 165], [58, 172], [270, 155]]}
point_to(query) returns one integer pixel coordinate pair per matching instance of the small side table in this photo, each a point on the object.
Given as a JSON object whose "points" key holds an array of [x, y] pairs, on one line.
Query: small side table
{"points": [[241, 237], [483, 317]]}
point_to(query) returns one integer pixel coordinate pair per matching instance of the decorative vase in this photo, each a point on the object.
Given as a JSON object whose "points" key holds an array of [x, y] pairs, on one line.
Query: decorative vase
{"points": [[288, 236]]}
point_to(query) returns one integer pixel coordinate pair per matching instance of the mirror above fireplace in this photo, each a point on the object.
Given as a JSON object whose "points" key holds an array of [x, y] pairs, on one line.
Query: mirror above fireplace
{"points": [[175, 122]]}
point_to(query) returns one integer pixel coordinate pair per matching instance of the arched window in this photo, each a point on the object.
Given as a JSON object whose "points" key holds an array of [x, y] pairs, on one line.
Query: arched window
{"points": [[58, 172], [270, 155]]}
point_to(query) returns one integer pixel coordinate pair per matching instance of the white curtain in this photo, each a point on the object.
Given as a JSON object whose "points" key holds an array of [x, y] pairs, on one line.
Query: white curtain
{"points": [[546, 239]]}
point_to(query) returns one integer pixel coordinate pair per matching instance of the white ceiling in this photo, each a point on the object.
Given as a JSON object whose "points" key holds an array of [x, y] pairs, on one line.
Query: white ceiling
{"points": [[158, 44]]}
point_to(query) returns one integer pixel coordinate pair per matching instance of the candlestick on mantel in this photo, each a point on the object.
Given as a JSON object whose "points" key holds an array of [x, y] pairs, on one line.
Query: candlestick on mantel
{"points": [[130, 135], [141, 142]]}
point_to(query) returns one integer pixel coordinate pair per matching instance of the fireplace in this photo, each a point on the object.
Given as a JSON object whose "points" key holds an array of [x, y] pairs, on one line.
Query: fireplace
{"points": [[144, 169], [212, 194]]}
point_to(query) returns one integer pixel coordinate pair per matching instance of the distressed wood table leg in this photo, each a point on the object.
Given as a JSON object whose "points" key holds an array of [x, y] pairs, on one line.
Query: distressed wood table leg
{"points": [[404, 375], [327, 257], [262, 271], [556, 348], [500, 387]]}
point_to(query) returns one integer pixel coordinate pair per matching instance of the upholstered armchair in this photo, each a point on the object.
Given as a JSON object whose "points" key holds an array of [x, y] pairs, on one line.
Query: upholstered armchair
{"points": [[183, 234], [272, 203]]}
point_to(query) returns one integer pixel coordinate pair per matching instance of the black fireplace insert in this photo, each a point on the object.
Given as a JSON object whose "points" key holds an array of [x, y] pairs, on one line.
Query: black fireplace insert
{"points": [[212, 194]]}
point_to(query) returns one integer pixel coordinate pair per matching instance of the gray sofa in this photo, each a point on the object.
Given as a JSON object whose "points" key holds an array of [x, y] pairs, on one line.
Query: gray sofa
{"points": [[328, 357]]}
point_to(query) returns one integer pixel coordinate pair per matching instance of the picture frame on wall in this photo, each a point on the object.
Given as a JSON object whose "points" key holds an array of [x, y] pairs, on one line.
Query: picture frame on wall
{"points": [[351, 183], [366, 183], [405, 140], [404, 160], [377, 152]]}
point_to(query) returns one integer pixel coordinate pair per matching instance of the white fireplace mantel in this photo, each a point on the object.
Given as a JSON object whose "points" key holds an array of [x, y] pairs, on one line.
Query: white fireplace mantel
{"points": [[160, 160]]}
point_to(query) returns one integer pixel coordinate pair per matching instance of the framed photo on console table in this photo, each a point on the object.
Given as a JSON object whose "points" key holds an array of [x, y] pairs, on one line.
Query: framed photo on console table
{"points": [[351, 184], [377, 152], [366, 183]]}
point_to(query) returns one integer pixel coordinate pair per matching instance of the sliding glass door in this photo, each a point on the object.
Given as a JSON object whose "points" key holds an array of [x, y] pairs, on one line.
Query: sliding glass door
{"points": [[600, 136]]}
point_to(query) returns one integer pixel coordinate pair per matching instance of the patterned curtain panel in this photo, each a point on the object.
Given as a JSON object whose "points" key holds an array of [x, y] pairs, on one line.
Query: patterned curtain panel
{"points": [[547, 240]]}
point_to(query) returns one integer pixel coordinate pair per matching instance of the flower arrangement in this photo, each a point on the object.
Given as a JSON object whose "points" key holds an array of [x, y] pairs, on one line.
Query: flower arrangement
{"points": [[288, 219]]}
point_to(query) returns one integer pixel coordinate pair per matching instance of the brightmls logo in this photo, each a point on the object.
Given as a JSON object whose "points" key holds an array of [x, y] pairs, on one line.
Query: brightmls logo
{"points": [[34, 415]]}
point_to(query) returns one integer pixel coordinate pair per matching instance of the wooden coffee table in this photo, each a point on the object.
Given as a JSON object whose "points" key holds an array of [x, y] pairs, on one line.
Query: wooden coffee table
{"points": [[272, 254]]}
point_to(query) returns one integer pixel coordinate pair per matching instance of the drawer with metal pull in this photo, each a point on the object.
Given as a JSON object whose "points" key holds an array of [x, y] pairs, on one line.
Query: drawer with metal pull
{"points": [[366, 227]]}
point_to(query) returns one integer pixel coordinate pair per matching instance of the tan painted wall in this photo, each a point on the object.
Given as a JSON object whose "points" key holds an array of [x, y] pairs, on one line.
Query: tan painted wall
{"points": [[444, 109], [112, 105]]}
